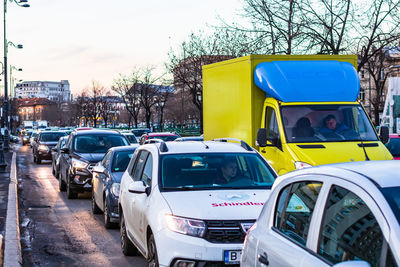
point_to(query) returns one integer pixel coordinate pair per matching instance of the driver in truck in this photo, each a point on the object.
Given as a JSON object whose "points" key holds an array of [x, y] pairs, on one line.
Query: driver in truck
{"points": [[331, 126]]}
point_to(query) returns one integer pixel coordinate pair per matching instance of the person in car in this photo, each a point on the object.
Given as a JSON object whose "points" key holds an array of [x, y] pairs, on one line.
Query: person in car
{"points": [[332, 127], [228, 171]]}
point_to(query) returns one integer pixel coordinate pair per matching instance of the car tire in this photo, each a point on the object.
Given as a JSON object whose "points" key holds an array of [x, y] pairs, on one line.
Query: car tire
{"points": [[107, 220], [38, 160], [95, 208], [71, 194], [128, 249], [61, 184], [152, 257]]}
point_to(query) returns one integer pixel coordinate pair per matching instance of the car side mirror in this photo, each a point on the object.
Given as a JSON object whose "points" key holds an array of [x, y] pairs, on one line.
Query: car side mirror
{"points": [[352, 264], [384, 134], [261, 137], [65, 150], [54, 149], [138, 187], [99, 169]]}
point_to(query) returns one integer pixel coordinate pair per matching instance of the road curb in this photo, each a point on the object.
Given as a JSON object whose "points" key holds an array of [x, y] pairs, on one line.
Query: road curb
{"points": [[12, 245]]}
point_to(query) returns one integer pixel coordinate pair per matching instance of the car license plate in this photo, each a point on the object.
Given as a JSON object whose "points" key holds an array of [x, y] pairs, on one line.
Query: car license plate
{"points": [[232, 256]]}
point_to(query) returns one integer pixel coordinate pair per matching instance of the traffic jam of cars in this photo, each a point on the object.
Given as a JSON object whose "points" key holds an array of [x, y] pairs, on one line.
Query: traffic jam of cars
{"points": [[315, 185]]}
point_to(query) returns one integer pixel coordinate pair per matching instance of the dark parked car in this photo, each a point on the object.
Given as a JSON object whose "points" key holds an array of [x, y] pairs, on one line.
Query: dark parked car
{"points": [[140, 132], [55, 155], [131, 137], [43, 143], [106, 179], [83, 150]]}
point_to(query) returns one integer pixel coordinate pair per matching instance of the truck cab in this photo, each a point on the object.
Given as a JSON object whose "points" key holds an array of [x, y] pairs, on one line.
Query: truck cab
{"points": [[298, 111]]}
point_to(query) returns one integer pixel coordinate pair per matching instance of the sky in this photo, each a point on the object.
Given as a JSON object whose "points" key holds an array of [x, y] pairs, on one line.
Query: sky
{"points": [[86, 40]]}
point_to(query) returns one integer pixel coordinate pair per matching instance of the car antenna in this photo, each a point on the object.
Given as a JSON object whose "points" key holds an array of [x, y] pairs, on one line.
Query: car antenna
{"points": [[207, 147]]}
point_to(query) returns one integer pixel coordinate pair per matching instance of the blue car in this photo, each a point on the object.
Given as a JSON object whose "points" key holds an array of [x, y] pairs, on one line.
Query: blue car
{"points": [[106, 179]]}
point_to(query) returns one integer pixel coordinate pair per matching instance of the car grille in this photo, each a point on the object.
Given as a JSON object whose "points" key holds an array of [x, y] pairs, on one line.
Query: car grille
{"points": [[226, 231]]}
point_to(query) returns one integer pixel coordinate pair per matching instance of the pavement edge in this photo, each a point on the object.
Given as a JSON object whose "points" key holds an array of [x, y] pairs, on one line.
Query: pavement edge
{"points": [[12, 245]]}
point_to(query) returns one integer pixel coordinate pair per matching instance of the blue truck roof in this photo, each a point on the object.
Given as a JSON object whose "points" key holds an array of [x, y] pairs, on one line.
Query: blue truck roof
{"points": [[308, 81]]}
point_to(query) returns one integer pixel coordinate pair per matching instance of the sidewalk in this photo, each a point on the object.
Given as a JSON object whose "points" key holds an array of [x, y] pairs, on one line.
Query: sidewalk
{"points": [[10, 253]]}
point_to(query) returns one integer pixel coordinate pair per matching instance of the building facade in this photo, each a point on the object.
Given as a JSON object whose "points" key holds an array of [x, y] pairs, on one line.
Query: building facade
{"points": [[33, 109], [54, 91]]}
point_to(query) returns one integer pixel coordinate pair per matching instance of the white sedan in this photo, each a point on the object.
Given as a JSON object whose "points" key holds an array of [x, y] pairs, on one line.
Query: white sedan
{"points": [[346, 214]]}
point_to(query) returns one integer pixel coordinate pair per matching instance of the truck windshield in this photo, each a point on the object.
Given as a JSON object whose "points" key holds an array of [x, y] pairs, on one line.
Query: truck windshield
{"points": [[213, 171], [326, 123]]}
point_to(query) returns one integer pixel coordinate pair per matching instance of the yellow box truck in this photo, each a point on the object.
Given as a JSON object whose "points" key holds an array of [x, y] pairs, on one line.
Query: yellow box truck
{"points": [[297, 110]]}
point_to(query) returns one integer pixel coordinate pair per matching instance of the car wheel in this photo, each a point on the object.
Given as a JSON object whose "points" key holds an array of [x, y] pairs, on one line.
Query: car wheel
{"points": [[61, 184], [126, 245], [152, 257], [107, 220], [70, 193], [34, 158], [95, 208]]}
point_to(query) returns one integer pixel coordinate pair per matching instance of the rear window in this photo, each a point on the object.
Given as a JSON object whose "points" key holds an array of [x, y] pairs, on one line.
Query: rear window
{"points": [[51, 137], [97, 143], [165, 138], [121, 160], [215, 171]]}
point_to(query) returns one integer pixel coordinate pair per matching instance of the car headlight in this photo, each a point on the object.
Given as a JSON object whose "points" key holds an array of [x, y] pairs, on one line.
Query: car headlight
{"points": [[43, 148], [76, 163], [115, 189], [186, 226], [301, 165]]}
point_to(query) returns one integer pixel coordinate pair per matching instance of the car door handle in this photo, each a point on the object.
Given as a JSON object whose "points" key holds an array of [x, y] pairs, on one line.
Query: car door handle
{"points": [[263, 258]]}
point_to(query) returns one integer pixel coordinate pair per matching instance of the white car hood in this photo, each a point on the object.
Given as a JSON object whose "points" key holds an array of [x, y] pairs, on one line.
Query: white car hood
{"points": [[217, 204]]}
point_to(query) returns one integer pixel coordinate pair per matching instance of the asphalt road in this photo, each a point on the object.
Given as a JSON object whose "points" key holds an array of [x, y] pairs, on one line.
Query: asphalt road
{"points": [[56, 231]]}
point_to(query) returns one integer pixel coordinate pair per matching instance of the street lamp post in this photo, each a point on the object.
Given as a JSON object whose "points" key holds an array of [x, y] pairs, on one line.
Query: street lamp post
{"points": [[19, 3]]}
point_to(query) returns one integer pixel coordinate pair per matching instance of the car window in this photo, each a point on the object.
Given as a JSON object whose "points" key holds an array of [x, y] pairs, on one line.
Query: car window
{"points": [[139, 164], [295, 206], [51, 137], [349, 230], [98, 143], [63, 142], [209, 171], [271, 124], [106, 160], [147, 172], [121, 160]]}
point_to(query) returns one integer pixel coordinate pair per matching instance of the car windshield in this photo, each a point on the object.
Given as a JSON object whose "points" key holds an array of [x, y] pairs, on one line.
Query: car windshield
{"points": [[34, 134], [97, 143], [131, 138], [215, 171], [394, 146], [165, 138], [326, 123], [51, 137], [121, 160], [392, 195]]}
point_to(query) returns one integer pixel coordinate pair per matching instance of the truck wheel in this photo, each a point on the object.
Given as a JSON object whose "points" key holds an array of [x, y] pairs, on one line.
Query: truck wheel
{"points": [[152, 257], [126, 245], [95, 208], [71, 194]]}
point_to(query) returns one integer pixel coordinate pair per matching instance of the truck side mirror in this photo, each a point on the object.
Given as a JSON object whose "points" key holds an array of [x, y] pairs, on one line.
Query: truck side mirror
{"points": [[261, 137], [384, 134]]}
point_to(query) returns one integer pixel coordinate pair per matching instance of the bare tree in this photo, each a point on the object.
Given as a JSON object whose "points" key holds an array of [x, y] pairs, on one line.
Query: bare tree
{"points": [[378, 28], [106, 104], [124, 87], [149, 91], [327, 25], [187, 62], [94, 93]]}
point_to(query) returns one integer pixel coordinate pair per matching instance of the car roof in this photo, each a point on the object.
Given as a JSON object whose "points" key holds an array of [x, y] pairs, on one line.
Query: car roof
{"points": [[383, 173], [124, 148], [42, 132], [94, 132], [201, 147], [162, 134]]}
